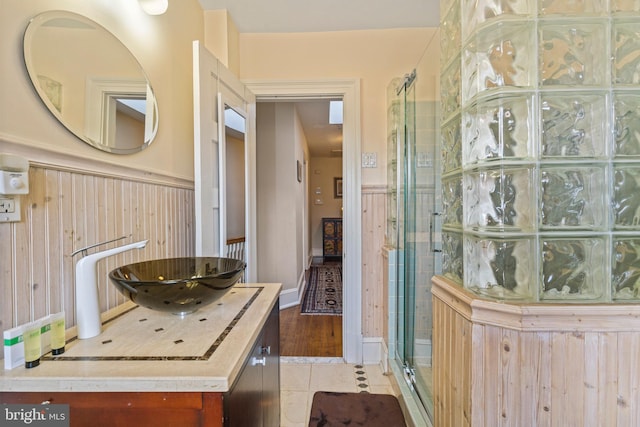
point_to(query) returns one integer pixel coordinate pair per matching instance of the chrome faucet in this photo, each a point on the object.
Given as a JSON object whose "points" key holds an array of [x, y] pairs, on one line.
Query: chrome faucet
{"points": [[88, 321]]}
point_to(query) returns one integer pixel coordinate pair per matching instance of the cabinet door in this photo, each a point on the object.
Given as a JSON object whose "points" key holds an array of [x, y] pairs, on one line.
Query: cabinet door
{"points": [[254, 399], [243, 404], [143, 409], [271, 370], [329, 229]]}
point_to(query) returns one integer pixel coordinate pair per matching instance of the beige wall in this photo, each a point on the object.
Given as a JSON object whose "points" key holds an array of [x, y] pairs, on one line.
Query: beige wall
{"points": [[79, 195], [221, 38], [322, 170], [162, 45], [374, 56]]}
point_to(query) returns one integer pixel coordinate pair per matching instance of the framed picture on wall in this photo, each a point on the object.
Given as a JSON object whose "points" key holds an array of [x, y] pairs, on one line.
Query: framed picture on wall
{"points": [[337, 188]]}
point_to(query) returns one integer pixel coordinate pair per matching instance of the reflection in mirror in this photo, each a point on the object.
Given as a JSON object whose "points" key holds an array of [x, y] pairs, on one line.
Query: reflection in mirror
{"points": [[235, 183], [89, 81]]}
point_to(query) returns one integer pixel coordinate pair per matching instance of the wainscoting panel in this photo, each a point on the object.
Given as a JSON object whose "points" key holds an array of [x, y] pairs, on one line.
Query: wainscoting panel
{"points": [[374, 296], [500, 364], [66, 210]]}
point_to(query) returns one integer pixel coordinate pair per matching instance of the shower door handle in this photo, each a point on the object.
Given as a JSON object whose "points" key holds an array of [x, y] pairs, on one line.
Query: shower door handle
{"points": [[432, 231]]}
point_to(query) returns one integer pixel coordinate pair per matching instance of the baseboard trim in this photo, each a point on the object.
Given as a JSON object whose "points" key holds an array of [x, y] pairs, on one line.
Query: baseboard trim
{"points": [[375, 352], [293, 297]]}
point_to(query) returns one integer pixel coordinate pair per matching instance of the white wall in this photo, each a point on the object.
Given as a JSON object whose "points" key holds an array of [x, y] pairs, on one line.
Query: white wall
{"points": [[280, 145]]}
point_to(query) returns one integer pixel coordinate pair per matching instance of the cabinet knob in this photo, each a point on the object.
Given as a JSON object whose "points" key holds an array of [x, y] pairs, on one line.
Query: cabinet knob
{"points": [[258, 361], [265, 350]]}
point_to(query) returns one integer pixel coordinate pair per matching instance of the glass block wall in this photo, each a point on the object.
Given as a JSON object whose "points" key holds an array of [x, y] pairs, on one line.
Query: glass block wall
{"points": [[541, 148]]}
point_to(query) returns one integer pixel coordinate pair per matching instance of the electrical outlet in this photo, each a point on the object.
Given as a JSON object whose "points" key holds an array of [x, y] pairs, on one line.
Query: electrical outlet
{"points": [[9, 209], [7, 206]]}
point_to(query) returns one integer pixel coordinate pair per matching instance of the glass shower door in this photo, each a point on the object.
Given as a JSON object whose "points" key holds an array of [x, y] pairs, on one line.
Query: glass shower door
{"points": [[416, 234]]}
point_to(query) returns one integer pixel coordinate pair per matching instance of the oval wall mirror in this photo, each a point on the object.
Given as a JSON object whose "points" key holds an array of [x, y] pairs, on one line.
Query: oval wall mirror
{"points": [[90, 82]]}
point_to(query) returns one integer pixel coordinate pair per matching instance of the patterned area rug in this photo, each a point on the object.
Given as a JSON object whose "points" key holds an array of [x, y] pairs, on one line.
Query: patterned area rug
{"points": [[324, 291]]}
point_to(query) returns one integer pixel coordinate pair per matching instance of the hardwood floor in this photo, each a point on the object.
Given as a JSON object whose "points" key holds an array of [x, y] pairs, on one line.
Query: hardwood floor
{"points": [[309, 335]]}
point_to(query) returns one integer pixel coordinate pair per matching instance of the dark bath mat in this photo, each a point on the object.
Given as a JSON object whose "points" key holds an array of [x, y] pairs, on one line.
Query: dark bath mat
{"points": [[355, 409]]}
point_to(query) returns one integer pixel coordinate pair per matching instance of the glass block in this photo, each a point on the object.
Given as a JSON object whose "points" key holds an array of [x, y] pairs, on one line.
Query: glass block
{"points": [[625, 269], [452, 201], [631, 6], [573, 54], [499, 199], [626, 197], [500, 128], [626, 110], [477, 12], [573, 125], [451, 153], [626, 53], [572, 7], [450, 100], [450, 35], [498, 56], [446, 5], [452, 259], [500, 268], [573, 198], [574, 268]]}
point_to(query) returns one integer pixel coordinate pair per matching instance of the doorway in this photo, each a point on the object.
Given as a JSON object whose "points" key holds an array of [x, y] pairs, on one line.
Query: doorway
{"points": [[312, 327], [349, 91]]}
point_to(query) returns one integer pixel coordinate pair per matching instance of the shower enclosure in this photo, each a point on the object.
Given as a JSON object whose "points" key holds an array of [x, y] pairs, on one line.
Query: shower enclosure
{"points": [[412, 232]]}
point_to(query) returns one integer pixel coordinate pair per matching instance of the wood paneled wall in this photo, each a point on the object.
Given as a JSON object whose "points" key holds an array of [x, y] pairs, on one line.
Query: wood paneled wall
{"points": [[374, 297], [69, 209], [499, 364]]}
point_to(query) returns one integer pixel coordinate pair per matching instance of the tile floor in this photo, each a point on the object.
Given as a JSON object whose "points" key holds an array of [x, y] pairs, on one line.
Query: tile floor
{"points": [[300, 378]]}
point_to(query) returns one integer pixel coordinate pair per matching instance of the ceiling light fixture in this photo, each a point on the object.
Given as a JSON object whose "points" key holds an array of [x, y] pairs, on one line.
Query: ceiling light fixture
{"points": [[154, 7]]}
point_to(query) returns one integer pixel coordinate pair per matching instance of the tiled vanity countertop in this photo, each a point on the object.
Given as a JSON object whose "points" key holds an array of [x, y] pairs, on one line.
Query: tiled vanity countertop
{"points": [[143, 350]]}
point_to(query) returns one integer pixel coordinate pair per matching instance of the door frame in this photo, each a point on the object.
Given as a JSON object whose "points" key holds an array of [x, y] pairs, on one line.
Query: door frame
{"points": [[349, 91]]}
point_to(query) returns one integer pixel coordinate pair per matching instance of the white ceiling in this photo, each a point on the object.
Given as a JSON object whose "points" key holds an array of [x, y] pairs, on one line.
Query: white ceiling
{"points": [[287, 16]]}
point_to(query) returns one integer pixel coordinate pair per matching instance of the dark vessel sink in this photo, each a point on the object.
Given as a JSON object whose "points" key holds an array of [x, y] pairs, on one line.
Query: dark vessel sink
{"points": [[177, 285]]}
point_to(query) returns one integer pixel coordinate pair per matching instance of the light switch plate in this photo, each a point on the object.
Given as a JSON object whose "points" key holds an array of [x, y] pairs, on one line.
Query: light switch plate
{"points": [[424, 160], [370, 160]]}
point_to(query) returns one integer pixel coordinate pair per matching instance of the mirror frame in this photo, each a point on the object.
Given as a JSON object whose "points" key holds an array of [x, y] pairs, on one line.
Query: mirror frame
{"points": [[99, 127]]}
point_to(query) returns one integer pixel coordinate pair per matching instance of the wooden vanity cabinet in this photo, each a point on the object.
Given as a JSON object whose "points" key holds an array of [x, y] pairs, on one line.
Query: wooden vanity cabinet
{"points": [[144, 409], [254, 399]]}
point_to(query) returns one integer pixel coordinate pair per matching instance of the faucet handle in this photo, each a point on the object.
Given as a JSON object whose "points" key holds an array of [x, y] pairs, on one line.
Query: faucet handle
{"points": [[84, 250]]}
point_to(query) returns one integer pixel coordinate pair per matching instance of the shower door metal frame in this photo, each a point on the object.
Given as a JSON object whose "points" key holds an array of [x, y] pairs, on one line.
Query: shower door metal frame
{"points": [[406, 245]]}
